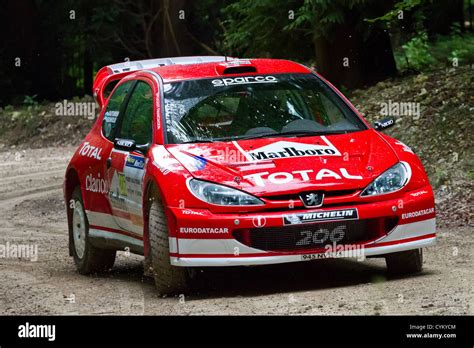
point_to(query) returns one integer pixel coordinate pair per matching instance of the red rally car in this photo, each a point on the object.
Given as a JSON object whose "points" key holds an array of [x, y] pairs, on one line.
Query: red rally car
{"points": [[218, 161]]}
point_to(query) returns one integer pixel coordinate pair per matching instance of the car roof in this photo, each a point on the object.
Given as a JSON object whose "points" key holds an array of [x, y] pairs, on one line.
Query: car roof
{"points": [[177, 72], [188, 68]]}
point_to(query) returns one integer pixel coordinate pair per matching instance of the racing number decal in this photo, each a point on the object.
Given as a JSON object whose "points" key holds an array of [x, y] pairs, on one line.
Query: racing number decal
{"points": [[322, 235]]}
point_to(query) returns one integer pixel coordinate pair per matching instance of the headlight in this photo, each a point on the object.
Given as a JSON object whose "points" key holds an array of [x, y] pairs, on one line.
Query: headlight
{"points": [[391, 180], [221, 195]]}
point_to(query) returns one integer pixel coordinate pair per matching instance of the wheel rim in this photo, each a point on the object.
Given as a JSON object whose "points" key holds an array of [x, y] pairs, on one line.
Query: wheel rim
{"points": [[79, 229]]}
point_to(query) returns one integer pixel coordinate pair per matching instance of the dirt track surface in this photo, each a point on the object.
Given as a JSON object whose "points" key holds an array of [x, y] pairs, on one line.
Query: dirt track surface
{"points": [[32, 212]]}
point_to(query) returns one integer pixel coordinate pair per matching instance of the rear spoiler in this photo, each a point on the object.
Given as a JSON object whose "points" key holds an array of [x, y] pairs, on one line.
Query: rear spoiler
{"points": [[118, 71]]}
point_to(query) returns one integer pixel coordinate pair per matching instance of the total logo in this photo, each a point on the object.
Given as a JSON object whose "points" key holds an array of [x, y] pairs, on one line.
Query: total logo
{"points": [[281, 178], [90, 151]]}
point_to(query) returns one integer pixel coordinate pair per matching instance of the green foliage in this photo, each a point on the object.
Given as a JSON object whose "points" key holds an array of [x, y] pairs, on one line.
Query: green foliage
{"points": [[30, 100], [401, 6], [456, 49], [420, 54], [318, 17], [250, 30], [417, 53]]}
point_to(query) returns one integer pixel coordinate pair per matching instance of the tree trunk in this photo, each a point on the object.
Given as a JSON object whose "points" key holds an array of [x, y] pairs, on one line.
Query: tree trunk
{"points": [[353, 60], [442, 14]]}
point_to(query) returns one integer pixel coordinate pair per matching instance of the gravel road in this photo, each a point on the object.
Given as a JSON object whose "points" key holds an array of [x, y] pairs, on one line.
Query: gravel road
{"points": [[32, 213]]}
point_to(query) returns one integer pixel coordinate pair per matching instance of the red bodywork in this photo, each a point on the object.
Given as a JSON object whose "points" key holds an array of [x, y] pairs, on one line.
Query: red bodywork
{"points": [[202, 234]]}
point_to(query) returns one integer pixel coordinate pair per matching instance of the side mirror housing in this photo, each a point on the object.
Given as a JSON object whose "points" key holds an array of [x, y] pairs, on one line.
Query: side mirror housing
{"points": [[130, 146], [384, 123], [125, 144]]}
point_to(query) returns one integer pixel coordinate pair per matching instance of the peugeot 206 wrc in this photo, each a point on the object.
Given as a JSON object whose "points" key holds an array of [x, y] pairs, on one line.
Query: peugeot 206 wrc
{"points": [[214, 161]]}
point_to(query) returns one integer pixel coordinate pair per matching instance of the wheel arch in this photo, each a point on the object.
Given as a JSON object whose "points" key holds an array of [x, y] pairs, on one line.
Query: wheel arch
{"points": [[71, 182]]}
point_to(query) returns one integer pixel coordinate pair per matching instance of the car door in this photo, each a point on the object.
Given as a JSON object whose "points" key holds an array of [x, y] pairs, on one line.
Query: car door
{"points": [[94, 153], [127, 164]]}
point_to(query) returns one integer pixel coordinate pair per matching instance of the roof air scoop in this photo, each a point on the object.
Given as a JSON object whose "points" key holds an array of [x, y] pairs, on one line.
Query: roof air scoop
{"points": [[235, 66]]}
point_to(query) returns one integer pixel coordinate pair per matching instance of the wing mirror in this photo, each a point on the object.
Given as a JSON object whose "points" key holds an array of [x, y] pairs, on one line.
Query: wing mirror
{"points": [[125, 144], [384, 123], [130, 146]]}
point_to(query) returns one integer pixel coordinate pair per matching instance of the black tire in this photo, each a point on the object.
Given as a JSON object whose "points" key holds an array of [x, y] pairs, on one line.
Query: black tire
{"points": [[169, 280], [92, 260], [405, 262]]}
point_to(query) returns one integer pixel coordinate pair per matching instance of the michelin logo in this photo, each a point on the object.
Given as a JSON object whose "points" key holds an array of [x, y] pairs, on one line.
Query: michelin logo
{"points": [[327, 215]]}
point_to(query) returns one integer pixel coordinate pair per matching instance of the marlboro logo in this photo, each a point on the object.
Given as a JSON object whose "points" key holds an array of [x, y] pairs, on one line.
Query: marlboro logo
{"points": [[287, 149]]}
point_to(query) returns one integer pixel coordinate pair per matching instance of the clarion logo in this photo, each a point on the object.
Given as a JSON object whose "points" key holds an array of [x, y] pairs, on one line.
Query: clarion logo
{"points": [[287, 149]]}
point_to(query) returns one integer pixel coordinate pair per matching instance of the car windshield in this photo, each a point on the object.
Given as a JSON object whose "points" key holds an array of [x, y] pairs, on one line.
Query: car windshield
{"points": [[256, 106]]}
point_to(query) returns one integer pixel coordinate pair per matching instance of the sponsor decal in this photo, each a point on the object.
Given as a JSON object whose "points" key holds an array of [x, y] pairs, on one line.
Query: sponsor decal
{"points": [[199, 162], [135, 162], [404, 147], [122, 184], [288, 149], [259, 221], [385, 124], [209, 230], [37, 331], [124, 143], [324, 215], [162, 169], [192, 212], [90, 151], [419, 193], [418, 213], [281, 178], [244, 80], [96, 184], [111, 116]]}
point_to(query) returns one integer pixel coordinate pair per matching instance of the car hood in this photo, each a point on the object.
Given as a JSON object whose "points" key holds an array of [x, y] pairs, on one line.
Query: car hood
{"points": [[280, 165]]}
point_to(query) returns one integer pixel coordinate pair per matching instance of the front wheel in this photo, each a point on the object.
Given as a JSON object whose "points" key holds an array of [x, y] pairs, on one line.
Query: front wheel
{"points": [[405, 262], [168, 279], [88, 259]]}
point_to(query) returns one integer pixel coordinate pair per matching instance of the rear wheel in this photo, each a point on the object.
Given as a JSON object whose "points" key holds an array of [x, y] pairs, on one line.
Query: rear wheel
{"points": [[169, 279], [88, 259], [405, 262]]}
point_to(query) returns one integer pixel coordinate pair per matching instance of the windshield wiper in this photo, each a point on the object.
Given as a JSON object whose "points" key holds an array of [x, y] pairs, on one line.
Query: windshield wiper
{"points": [[291, 133], [198, 140]]}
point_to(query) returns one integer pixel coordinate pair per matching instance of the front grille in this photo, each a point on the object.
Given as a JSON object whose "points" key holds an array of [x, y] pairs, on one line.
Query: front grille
{"points": [[314, 235], [296, 197]]}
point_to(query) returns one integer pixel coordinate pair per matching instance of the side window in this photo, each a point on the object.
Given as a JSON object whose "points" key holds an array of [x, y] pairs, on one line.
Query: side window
{"points": [[137, 119], [113, 109]]}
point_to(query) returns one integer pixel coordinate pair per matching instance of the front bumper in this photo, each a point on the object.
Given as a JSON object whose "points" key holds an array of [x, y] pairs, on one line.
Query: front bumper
{"points": [[201, 238]]}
